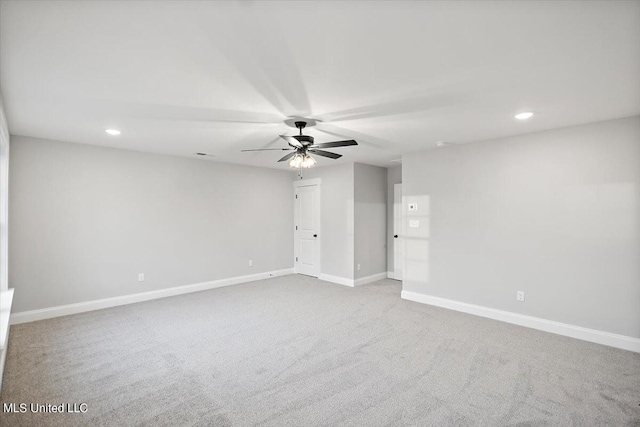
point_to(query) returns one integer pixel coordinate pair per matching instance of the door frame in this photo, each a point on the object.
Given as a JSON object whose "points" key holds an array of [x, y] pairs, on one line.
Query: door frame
{"points": [[306, 183], [398, 230]]}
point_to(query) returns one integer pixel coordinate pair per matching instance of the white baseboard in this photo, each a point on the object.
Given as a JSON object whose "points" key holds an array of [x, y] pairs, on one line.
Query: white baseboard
{"points": [[81, 307], [352, 282], [392, 275], [586, 334], [336, 279], [370, 279]]}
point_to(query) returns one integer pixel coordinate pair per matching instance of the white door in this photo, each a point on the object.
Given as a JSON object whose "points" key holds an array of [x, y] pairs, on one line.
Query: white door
{"points": [[307, 230], [397, 231]]}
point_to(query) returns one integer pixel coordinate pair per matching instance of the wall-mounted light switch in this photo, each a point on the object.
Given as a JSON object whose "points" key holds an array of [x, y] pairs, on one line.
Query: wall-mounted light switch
{"points": [[413, 206]]}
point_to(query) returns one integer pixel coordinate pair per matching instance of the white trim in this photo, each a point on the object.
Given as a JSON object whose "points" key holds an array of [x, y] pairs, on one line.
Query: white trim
{"points": [[6, 298], [351, 282], [370, 279], [307, 182], [391, 275], [338, 280], [81, 307], [4, 198], [586, 334], [398, 245]]}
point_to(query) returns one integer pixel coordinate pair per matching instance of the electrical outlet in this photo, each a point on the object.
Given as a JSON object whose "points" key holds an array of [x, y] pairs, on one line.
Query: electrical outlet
{"points": [[520, 296], [250, 263], [358, 266], [141, 277]]}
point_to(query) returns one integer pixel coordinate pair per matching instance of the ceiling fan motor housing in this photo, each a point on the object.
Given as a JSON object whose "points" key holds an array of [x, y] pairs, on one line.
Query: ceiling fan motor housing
{"points": [[301, 145], [304, 139]]}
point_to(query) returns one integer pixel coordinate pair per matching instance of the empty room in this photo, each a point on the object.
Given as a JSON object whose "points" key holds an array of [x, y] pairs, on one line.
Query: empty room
{"points": [[304, 213]]}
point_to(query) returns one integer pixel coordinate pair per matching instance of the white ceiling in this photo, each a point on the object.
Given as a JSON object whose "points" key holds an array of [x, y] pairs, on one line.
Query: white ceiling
{"points": [[184, 77]]}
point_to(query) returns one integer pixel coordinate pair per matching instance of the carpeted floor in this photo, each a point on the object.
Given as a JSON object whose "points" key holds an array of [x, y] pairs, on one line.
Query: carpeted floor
{"points": [[298, 351]]}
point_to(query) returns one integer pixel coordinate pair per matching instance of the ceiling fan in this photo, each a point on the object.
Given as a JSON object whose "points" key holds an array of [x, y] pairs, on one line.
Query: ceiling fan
{"points": [[302, 145]]}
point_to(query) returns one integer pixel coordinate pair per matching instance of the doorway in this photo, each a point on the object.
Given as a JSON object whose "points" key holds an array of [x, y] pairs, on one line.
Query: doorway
{"points": [[397, 232], [306, 216]]}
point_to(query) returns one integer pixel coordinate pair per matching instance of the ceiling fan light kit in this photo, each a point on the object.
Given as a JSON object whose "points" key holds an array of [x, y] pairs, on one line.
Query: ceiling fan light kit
{"points": [[299, 161], [302, 145]]}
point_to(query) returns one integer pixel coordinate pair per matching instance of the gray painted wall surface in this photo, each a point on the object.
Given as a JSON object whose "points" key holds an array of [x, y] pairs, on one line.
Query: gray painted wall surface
{"points": [[370, 215], [336, 220], [85, 220], [555, 214], [394, 176]]}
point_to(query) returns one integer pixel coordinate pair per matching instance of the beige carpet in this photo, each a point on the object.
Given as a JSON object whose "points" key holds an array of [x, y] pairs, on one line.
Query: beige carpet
{"points": [[299, 351]]}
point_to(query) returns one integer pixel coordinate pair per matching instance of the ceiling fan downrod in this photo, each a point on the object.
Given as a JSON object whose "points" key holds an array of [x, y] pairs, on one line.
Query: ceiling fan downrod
{"points": [[300, 126]]}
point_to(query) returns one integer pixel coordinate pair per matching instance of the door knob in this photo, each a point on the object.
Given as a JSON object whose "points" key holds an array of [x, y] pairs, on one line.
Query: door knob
{"points": [[315, 235], [395, 236]]}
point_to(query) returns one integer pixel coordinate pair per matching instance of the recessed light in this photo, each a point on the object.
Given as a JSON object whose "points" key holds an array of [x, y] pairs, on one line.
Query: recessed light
{"points": [[113, 132], [524, 116]]}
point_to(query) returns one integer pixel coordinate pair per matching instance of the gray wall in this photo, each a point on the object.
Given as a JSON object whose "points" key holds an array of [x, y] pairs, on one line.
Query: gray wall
{"points": [[370, 215], [85, 220], [555, 214], [394, 176], [336, 218]]}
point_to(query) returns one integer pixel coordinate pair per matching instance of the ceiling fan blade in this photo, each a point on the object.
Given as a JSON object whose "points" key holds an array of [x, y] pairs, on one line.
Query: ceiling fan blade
{"points": [[341, 132], [267, 149], [291, 141], [325, 154], [287, 157], [335, 144]]}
